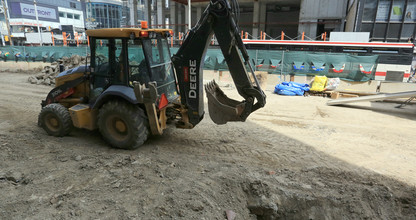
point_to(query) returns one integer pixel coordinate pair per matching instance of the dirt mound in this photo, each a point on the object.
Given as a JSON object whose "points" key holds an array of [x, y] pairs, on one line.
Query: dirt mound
{"points": [[353, 197]]}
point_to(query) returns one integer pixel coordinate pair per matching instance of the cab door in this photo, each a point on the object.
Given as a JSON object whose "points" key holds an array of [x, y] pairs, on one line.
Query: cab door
{"points": [[108, 64], [157, 53]]}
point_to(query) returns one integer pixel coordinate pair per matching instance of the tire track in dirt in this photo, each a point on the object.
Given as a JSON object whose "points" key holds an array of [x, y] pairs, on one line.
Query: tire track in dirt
{"points": [[20, 102], [23, 91], [252, 140], [258, 143]]}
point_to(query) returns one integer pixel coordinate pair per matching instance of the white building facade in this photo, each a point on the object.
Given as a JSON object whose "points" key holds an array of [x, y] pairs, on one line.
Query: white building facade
{"points": [[53, 16]]}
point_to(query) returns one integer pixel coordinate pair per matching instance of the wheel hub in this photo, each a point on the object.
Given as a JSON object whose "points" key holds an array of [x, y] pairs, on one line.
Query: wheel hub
{"points": [[52, 122], [120, 126], [117, 127]]}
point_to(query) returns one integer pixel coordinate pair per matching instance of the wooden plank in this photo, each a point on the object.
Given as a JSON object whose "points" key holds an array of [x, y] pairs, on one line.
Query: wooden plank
{"points": [[360, 93], [346, 95], [335, 95]]}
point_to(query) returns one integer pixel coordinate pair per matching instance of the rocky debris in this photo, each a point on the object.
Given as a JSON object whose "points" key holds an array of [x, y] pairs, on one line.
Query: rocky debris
{"points": [[195, 206], [14, 177], [116, 184], [57, 200], [78, 158], [230, 214], [260, 200], [271, 172], [48, 74], [262, 207]]}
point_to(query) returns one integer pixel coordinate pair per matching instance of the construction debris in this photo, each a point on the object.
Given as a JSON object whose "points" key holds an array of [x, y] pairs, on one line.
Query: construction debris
{"points": [[373, 98], [48, 74], [337, 95]]}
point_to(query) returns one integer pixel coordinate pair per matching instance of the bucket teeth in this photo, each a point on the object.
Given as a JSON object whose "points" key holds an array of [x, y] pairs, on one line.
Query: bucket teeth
{"points": [[221, 108]]}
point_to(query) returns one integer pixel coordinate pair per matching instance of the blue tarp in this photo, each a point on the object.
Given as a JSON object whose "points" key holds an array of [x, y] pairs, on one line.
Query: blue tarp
{"points": [[291, 88]]}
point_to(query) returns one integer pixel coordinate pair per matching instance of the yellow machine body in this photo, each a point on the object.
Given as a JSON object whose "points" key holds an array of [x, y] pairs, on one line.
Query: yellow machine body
{"points": [[80, 91], [83, 116]]}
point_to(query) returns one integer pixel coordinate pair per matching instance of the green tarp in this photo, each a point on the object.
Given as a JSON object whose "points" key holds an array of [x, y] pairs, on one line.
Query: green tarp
{"points": [[272, 61]]}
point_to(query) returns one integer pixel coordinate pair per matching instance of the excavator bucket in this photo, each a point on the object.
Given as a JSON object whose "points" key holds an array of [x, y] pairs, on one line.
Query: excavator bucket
{"points": [[221, 108]]}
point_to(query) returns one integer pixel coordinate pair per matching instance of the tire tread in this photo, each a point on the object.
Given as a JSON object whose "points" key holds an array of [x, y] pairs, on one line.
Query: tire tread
{"points": [[137, 117], [63, 115]]}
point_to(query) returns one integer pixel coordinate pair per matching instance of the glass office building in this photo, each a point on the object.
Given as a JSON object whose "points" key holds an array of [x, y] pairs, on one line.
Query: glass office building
{"points": [[387, 20], [104, 14]]}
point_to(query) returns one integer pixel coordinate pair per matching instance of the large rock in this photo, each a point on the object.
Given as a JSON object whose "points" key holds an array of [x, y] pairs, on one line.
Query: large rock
{"points": [[75, 59], [33, 80], [47, 81]]}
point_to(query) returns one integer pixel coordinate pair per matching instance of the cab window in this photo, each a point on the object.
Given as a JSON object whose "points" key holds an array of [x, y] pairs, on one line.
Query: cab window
{"points": [[138, 68]]}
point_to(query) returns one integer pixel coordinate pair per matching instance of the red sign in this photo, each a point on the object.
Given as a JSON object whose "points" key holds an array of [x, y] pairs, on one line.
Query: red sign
{"points": [[186, 74]]}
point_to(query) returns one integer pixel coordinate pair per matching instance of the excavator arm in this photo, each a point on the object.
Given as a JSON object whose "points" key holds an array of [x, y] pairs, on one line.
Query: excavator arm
{"points": [[218, 19]]}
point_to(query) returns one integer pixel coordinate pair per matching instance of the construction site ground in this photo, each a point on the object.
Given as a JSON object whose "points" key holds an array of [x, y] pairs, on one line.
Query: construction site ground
{"points": [[297, 158]]}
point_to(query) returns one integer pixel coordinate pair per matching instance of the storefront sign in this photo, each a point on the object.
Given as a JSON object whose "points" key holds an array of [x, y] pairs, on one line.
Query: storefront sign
{"points": [[26, 10], [43, 12], [26, 23]]}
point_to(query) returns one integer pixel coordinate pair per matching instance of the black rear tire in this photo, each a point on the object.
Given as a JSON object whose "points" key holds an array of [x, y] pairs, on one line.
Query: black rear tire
{"points": [[123, 125], [55, 120]]}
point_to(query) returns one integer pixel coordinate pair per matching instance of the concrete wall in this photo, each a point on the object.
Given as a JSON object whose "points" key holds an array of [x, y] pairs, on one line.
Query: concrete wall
{"points": [[289, 24], [79, 23], [313, 10], [322, 9], [246, 18], [274, 21], [351, 15]]}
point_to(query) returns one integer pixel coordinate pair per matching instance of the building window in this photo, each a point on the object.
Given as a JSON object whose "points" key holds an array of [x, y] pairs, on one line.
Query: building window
{"points": [[397, 10], [380, 31], [77, 16], [407, 31], [394, 31], [410, 14], [366, 28], [69, 15], [391, 20], [383, 11], [62, 14], [369, 12], [106, 15], [72, 5]]}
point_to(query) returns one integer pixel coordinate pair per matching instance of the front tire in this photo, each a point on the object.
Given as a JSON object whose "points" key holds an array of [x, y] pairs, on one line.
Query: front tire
{"points": [[123, 125], [55, 120]]}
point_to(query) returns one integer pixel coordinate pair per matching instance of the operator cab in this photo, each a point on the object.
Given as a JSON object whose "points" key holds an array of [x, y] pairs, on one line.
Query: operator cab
{"points": [[127, 55]]}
